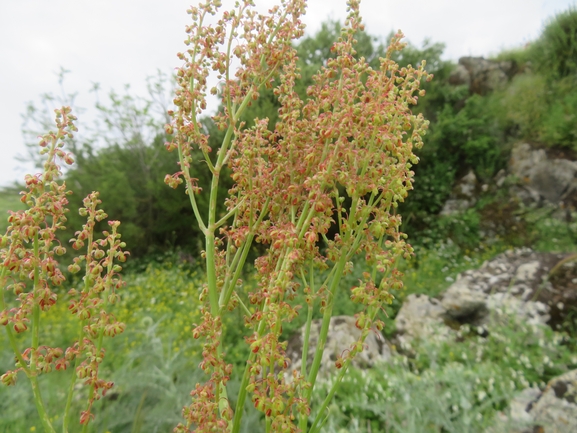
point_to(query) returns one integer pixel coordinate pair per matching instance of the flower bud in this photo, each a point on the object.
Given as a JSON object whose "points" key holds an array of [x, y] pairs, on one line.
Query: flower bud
{"points": [[59, 250], [9, 378]]}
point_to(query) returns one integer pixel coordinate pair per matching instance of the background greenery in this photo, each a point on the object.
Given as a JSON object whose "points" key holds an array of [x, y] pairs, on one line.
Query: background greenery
{"points": [[442, 387]]}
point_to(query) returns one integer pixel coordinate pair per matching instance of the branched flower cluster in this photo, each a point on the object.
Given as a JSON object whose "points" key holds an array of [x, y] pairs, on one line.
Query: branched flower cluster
{"points": [[319, 191], [30, 274], [29, 247], [90, 304]]}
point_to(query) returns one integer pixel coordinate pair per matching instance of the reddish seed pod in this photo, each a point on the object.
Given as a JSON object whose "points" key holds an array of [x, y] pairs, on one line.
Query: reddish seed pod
{"points": [[20, 327]]}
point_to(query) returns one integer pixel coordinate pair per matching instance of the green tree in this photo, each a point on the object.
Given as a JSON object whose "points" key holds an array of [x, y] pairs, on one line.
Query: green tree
{"points": [[128, 166]]}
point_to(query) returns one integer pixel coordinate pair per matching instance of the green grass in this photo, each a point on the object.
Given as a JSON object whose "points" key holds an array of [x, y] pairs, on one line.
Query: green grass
{"points": [[449, 387]]}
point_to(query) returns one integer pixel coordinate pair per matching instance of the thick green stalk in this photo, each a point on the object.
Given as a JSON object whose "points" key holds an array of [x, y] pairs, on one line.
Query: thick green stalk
{"points": [[315, 427], [221, 392], [326, 320], [268, 424], [211, 272]]}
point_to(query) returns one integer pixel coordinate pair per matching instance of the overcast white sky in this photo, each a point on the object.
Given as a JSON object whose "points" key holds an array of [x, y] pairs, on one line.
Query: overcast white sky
{"points": [[114, 42]]}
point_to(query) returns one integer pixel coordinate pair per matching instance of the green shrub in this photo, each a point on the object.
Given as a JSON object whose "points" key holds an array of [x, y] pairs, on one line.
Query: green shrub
{"points": [[524, 103], [560, 121], [555, 52]]}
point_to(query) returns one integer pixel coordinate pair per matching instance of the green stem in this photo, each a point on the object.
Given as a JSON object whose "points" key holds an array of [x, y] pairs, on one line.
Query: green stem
{"points": [[242, 395], [242, 305], [239, 261], [246, 375], [310, 308], [306, 340], [87, 283], [40, 407], [268, 424], [322, 339], [211, 273], [230, 213], [238, 411], [326, 321], [44, 418], [104, 296], [315, 427], [237, 266], [189, 188], [9, 332], [66, 417]]}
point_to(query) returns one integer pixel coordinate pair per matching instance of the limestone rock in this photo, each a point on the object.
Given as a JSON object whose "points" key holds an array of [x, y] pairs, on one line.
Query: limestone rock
{"points": [[460, 76], [543, 178], [484, 75], [422, 317], [563, 298], [552, 411], [514, 284], [556, 409], [342, 334], [463, 302]]}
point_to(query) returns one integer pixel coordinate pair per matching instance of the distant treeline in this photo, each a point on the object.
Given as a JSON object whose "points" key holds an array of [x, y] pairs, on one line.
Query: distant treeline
{"points": [[467, 131]]}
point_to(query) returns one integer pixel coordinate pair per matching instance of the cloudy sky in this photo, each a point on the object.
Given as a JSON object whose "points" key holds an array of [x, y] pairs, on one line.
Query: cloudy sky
{"points": [[114, 42]]}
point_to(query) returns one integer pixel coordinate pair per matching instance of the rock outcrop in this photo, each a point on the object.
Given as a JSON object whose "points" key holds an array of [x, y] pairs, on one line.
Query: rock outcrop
{"points": [[543, 178], [537, 288], [554, 410], [342, 334], [481, 75], [516, 283]]}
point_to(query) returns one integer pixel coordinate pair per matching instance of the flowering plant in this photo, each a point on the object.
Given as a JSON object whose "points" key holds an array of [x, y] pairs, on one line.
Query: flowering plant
{"points": [[30, 276], [318, 192]]}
